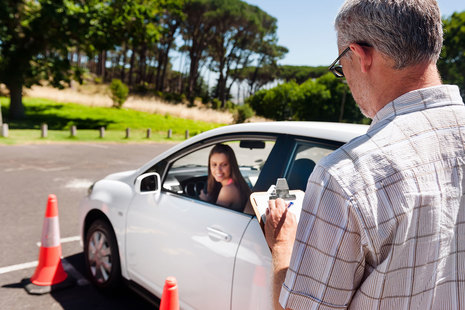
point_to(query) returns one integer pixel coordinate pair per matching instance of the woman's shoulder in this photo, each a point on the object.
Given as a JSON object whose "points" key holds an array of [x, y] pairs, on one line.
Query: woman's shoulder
{"points": [[230, 188], [230, 196]]}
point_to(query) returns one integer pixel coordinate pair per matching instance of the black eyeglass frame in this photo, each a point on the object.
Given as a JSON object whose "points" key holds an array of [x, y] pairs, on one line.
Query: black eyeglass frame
{"points": [[336, 68]]}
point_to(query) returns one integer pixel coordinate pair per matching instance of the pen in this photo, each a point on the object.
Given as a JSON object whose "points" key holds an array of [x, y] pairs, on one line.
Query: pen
{"points": [[290, 204]]}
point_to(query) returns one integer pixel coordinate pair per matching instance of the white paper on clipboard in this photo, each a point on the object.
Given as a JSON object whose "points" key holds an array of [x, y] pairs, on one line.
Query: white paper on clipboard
{"points": [[259, 201]]}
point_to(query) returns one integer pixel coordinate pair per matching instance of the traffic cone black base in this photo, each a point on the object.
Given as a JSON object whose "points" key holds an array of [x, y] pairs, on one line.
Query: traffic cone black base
{"points": [[34, 289]]}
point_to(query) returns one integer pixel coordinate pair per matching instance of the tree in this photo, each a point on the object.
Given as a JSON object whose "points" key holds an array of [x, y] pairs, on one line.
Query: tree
{"points": [[452, 61], [119, 93], [171, 22], [242, 34], [324, 99], [196, 32], [300, 74], [35, 36], [229, 21], [276, 103]]}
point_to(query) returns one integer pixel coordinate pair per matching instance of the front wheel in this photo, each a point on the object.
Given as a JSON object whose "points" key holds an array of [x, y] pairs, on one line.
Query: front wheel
{"points": [[102, 257]]}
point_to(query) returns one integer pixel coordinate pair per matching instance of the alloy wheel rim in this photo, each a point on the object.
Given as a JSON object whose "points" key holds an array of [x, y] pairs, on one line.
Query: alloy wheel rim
{"points": [[99, 257]]}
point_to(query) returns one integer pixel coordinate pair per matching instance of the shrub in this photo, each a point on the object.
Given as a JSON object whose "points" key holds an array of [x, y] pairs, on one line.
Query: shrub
{"points": [[119, 93], [229, 106], [216, 104], [242, 113]]}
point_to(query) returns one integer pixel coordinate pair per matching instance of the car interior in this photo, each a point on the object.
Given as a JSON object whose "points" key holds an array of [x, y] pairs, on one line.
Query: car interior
{"points": [[261, 161]]}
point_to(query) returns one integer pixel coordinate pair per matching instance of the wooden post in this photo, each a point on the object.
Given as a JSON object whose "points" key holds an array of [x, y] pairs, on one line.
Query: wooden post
{"points": [[5, 130], [128, 133], [102, 132], [73, 131], [149, 133], [43, 130], [170, 133], [187, 134]]}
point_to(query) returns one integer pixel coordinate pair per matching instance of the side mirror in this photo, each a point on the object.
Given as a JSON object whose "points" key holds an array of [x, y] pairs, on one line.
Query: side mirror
{"points": [[148, 183]]}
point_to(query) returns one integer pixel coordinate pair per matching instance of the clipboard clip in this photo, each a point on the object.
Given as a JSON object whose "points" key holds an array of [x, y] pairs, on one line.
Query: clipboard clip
{"points": [[280, 190]]}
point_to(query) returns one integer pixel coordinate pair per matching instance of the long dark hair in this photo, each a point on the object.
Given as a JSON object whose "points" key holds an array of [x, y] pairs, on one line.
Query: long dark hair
{"points": [[213, 187]]}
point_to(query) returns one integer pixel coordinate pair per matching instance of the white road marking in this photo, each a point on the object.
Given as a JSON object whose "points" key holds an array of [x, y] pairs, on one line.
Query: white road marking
{"points": [[41, 169], [18, 267], [98, 145], [64, 240], [78, 184], [69, 269]]}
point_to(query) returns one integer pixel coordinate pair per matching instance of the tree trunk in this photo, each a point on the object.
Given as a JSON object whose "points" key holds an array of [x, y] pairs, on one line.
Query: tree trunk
{"points": [[123, 64], [16, 101], [104, 69], [192, 77], [343, 102], [99, 64], [131, 67], [159, 70], [78, 58], [1, 118], [141, 70], [165, 64]]}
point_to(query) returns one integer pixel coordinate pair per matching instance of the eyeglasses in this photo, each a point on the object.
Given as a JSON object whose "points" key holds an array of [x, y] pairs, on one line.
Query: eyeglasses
{"points": [[336, 68]]}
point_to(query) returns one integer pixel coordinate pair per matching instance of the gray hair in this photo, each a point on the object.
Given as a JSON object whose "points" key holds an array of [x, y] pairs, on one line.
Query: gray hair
{"points": [[407, 31]]}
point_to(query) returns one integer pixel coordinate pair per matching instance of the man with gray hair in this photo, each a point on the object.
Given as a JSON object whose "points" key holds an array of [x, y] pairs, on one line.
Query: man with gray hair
{"points": [[383, 218]]}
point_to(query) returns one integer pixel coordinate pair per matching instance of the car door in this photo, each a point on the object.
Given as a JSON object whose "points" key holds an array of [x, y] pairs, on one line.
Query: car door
{"points": [[294, 159], [172, 234], [196, 242]]}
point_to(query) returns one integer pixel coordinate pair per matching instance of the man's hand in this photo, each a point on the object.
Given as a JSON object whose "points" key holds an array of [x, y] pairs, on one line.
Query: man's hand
{"points": [[280, 225], [280, 230]]}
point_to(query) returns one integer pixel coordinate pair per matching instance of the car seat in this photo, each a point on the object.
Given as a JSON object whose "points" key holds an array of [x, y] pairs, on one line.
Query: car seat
{"points": [[299, 174]]}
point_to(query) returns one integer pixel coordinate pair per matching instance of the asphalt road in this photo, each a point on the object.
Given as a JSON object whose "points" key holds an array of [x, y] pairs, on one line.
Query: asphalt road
{"points": [[28, 174]]}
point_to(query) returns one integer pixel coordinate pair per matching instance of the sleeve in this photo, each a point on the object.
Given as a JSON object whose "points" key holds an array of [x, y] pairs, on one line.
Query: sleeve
{"points": [[327, 262]]}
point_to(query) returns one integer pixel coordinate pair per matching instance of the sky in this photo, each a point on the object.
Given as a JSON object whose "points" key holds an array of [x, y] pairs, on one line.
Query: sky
{"points": [[306, 27]]}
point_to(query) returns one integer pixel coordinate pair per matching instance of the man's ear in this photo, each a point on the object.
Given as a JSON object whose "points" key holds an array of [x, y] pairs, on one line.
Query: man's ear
{"points": [[364, 54]]}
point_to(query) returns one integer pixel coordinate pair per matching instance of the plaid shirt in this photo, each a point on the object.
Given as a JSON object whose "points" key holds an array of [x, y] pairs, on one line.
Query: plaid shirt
{"points": [[383, 222]]}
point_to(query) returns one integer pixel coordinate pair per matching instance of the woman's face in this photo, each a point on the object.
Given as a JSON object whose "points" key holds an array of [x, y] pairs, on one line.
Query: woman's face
{"points": [[220, 168]]}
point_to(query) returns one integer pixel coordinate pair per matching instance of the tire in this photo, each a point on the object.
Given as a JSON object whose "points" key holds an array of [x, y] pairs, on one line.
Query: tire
{"points": [[102, 257]]}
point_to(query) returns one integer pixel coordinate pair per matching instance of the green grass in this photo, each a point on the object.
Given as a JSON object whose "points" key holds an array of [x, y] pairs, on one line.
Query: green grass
{"points": [[28, 136], [61, 116]]}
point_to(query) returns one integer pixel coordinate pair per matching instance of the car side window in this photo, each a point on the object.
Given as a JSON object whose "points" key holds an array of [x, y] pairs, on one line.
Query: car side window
{"points": [[187, 175], [306, 156]]}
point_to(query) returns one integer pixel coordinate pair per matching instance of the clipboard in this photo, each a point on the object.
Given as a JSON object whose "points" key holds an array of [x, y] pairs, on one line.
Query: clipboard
{"points": [[259, 202]]}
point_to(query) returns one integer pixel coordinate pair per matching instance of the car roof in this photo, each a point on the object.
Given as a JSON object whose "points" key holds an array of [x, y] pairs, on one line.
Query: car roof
{"points": [[340, 132]]}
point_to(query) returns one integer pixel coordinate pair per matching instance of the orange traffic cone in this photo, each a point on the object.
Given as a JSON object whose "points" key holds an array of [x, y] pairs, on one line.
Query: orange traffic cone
{"points": [[170, 298], [49, 271]]}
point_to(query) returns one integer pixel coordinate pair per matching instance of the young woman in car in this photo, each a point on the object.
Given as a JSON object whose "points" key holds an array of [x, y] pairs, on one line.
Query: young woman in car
{"points": [[225, 185]]}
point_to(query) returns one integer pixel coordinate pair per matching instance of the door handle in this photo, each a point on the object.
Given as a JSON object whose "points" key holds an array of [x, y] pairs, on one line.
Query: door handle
{"points": [[218, 235]]}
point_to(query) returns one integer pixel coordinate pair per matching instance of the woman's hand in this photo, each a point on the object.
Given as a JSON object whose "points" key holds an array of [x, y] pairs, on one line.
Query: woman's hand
{"points": [[203, 195]]}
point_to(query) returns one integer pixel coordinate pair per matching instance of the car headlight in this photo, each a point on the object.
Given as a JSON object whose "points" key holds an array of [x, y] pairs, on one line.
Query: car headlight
{"points": [[89, 190]]}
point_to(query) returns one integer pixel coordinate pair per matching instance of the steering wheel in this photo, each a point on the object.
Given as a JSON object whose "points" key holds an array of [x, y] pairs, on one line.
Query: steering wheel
{"points": [[192, 187]]}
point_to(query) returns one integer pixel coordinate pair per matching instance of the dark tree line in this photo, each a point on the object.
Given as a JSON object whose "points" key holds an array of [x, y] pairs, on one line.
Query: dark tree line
{"points": [[58, 40], [137, 42], [309, 94]]}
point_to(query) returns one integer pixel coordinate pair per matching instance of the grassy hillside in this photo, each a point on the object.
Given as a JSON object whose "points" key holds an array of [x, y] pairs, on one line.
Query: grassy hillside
{"points": [[61, 116]]}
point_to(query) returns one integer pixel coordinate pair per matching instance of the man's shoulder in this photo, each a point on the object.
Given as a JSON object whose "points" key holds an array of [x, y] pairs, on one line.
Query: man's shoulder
{"points": [[346, 154]]}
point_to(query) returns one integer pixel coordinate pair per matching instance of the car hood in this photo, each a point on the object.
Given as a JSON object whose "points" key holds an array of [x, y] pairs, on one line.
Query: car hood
{"points": [[124, 176]]}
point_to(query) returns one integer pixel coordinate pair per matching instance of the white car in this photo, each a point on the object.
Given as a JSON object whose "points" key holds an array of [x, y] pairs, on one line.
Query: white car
{"points": [[144, 225]]}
